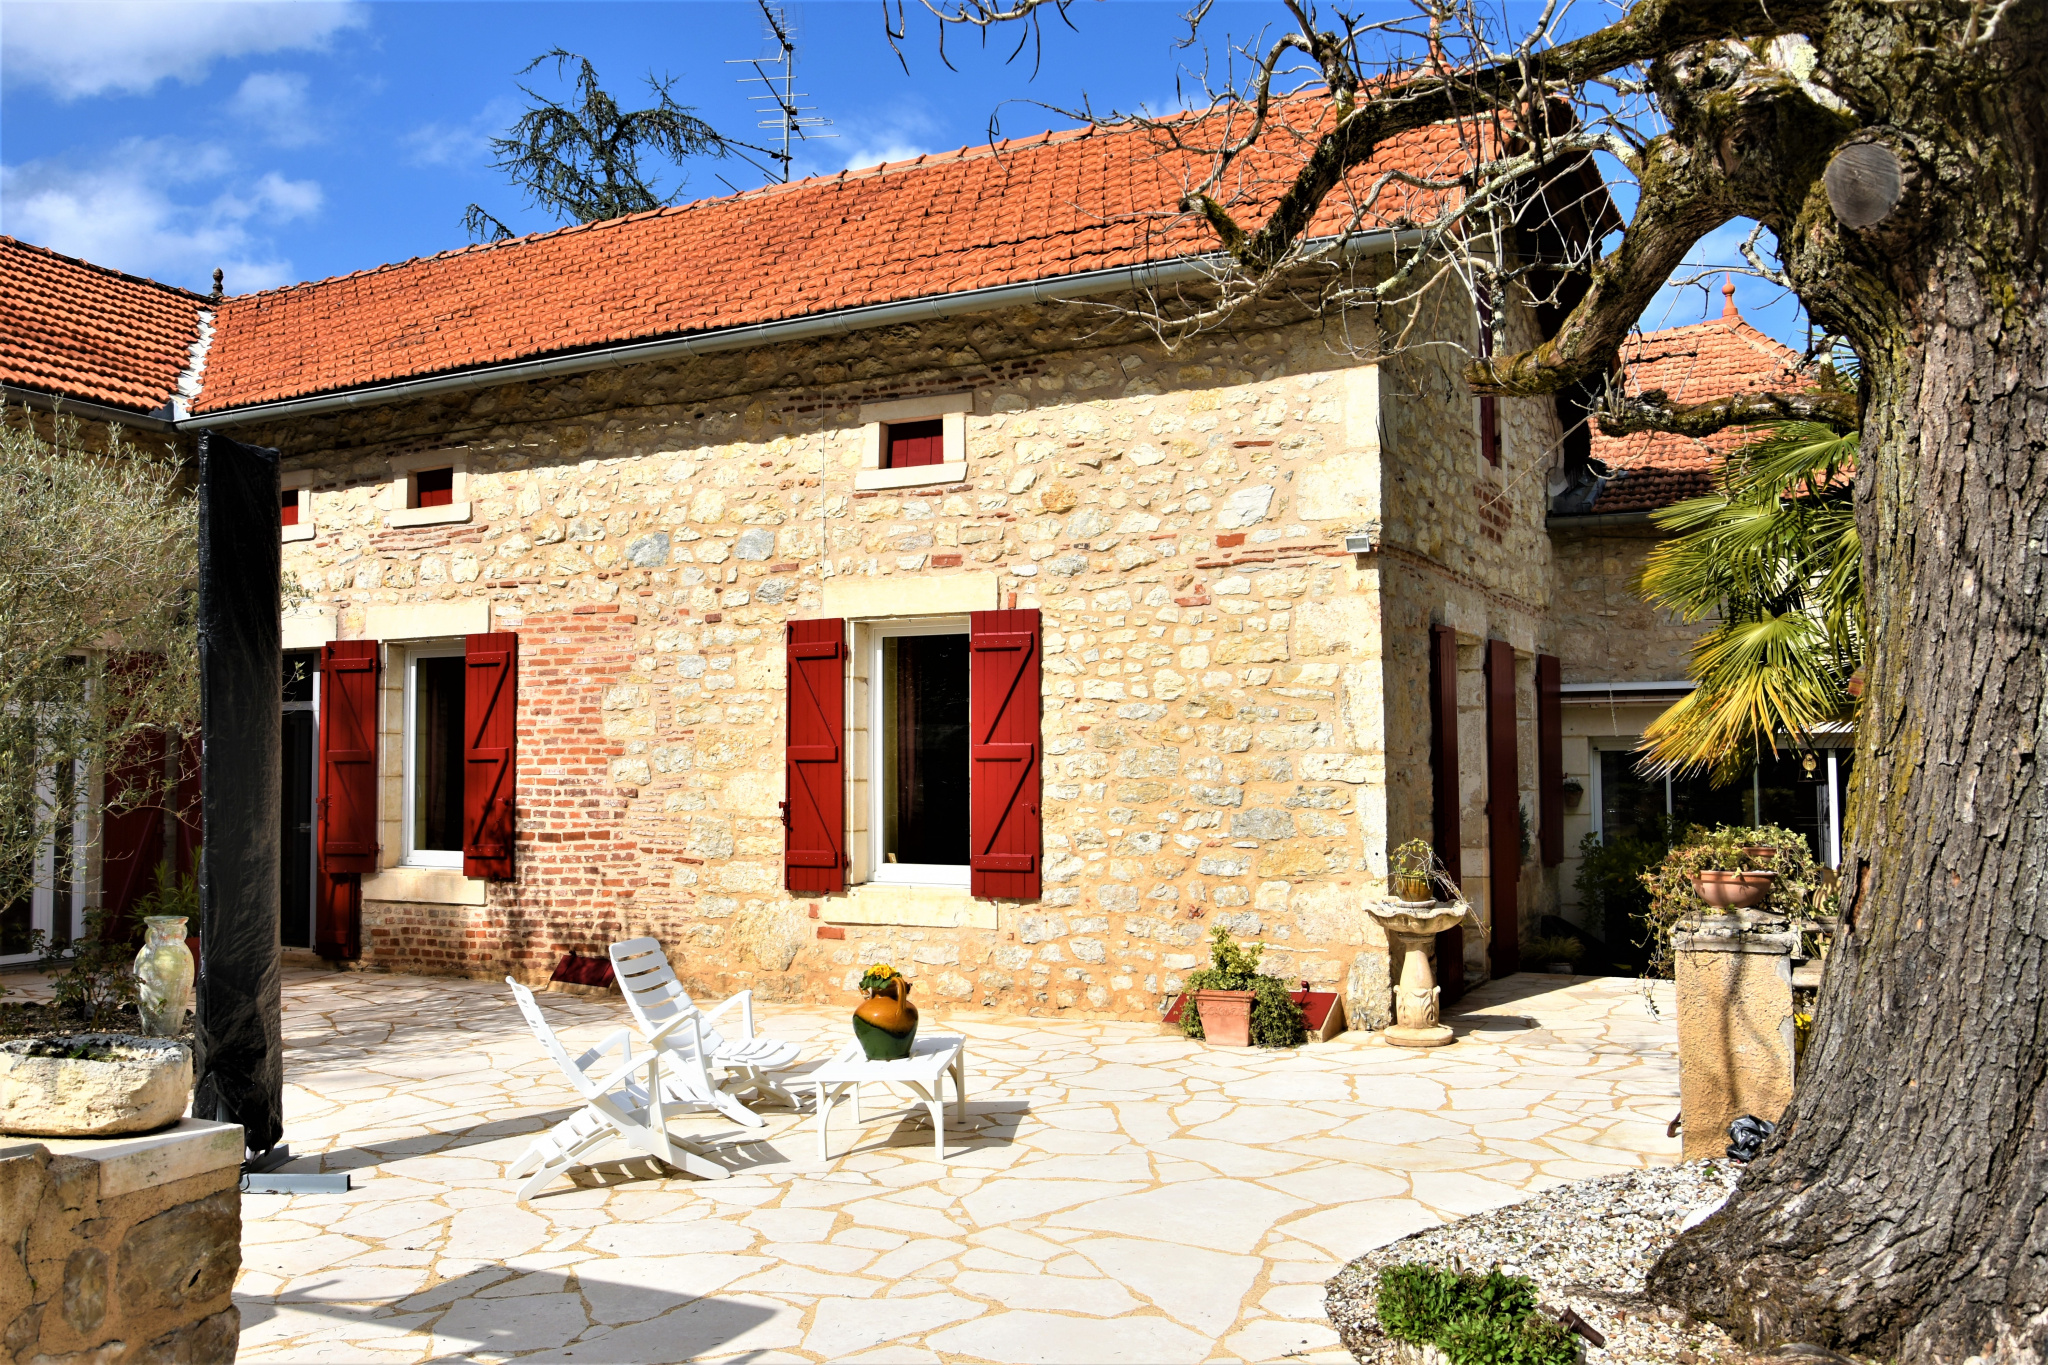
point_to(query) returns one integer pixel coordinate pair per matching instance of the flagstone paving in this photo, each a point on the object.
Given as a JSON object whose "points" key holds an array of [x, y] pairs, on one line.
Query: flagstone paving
{"points": [[1120, 1196]]}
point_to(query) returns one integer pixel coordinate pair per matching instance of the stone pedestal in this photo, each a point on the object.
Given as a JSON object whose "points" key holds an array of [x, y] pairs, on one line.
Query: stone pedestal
{"points": [[1736, 1038], [131, 1246], [1412, 927]]}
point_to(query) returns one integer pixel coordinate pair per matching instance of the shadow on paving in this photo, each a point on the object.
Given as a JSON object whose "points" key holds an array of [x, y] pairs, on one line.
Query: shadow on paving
{"points": [[544, 1315]]}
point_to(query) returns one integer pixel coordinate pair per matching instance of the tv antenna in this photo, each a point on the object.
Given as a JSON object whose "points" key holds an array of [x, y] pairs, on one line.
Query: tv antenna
{"points": [[785, 116]]}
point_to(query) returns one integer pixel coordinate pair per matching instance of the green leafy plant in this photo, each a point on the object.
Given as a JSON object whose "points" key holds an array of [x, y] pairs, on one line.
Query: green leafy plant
{"points": [[1773, 557], [879, 977], [1488, 1319], [96, 977], [1554, 948], [1670, 882], [1612, 899], [1277, 1021], [171, 894]]}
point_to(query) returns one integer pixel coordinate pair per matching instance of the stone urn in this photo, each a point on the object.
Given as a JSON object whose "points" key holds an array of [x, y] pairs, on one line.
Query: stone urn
{"points": [[1412, 927], [163, 975], [92, 1085]]}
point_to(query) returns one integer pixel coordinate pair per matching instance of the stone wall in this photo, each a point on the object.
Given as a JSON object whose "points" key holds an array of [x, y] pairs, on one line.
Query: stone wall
{"points": [[1603, 630], [1215, 702], [122, 1252]]}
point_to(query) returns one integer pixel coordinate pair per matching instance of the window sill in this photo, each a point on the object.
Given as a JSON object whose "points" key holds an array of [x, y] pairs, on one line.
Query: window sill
{"points": [[428, 516], [926, 907], [292, 533], [423, 885], [870, 480]]}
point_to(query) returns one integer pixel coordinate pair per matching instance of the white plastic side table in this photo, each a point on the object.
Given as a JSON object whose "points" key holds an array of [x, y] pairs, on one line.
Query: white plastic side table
{"points": [[924, 1072]]}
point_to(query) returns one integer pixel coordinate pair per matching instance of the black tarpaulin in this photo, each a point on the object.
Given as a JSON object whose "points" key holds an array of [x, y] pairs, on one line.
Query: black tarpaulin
{"points": [[237, 1027]]}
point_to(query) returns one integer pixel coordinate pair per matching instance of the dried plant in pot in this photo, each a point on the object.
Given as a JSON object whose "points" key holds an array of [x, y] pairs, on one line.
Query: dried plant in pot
{"points": [[1411, 872]]}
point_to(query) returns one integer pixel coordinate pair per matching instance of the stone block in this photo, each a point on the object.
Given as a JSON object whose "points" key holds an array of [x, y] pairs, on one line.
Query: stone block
{"points": [[1735, 1034]]}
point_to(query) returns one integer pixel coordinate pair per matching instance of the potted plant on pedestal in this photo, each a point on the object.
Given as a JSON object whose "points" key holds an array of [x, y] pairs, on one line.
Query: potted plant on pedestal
{"points": [[1411, 872]]}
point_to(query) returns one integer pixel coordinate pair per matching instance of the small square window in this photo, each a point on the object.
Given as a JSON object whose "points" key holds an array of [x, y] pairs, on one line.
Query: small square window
{"points": [[433, 487], [288, 511], [911, 444]]}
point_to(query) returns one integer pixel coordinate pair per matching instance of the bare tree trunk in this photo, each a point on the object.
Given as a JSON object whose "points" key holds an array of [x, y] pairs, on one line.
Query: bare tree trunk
{"points": [[1902, 1210]]}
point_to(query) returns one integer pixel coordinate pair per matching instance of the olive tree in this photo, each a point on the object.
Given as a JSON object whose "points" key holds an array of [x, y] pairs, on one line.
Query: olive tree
{"points": [[1890, 152], [98, 642]]}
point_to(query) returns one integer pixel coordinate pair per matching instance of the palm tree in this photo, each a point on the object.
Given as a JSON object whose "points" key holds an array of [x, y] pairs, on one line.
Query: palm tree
{"points": [[1774, 557]]}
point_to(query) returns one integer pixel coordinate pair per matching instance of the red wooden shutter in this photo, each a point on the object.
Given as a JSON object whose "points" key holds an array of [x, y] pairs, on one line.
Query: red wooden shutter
{"points": [[348, 756], [1445, 826], [1003, 716], [916, 443], [338, 915], [814, 815], [131, 838], [490, 710], [1550, 757], [1503, 809]]}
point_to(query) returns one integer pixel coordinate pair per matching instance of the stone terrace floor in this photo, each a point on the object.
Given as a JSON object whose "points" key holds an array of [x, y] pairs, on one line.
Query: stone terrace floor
{"points": [[1122, 1195]]}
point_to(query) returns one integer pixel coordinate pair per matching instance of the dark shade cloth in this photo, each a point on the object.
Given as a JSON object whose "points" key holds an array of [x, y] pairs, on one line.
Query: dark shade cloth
{"points": [[238, 1031]]}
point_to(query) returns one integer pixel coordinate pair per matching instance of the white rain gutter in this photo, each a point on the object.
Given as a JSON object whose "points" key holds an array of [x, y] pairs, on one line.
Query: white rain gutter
{"points": [[1186, 270]]}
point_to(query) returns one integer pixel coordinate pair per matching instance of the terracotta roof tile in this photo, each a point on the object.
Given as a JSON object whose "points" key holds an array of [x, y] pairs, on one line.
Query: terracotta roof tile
{"points": [[1694, 364], [78, 330], [1012, 213]]}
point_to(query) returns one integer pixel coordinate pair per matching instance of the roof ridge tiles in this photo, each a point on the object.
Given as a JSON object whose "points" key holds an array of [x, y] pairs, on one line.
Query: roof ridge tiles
{"points": [[83, 263]]}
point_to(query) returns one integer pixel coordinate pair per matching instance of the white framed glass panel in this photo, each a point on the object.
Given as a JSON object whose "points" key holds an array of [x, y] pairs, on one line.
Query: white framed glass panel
{"points": [[431, 819], [54, 904], [918, 721]]}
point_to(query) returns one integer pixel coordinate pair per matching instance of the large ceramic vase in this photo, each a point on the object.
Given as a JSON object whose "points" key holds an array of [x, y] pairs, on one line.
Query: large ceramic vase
{"points": [[163, 973], [886, 1022]]}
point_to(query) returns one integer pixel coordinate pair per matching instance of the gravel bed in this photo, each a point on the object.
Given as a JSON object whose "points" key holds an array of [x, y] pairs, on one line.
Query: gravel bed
{"points": [[1587, 1245]]}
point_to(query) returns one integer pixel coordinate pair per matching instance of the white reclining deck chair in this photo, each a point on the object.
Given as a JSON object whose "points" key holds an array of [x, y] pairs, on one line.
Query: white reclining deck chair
{"points": [[657, 999], [616, 1104]]}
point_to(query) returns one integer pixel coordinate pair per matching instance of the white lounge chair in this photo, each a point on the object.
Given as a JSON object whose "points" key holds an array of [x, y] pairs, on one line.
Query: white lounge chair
{"points": [[616, 1104], [737, 1064]]}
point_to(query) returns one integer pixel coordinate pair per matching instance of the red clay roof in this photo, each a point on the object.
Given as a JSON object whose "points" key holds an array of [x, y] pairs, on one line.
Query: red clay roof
{"points": [[1046, 207], [1694, 364], [78, 330]]}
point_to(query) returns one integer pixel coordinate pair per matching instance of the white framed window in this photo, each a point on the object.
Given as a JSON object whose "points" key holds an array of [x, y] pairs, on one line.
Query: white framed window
{"points": [[913, 442], [427, 490], [54, 904], [916, 758], [430, 820]]}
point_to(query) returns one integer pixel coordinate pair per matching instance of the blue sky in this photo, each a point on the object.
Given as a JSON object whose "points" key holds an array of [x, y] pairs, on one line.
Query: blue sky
{"points": [[298, 140]]}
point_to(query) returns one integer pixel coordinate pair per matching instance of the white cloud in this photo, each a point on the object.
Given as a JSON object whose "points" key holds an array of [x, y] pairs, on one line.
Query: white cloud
{"points": [[897, 134], [463, 146], [129, 46], [125, 212], [275, 103]]}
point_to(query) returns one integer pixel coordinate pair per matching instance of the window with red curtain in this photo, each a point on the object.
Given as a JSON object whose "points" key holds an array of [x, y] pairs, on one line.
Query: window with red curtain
{"points": [[910, 444], [288, 510], [434, 488]]}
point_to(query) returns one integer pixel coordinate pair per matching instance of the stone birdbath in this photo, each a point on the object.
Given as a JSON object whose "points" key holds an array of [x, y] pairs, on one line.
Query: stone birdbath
{"points": [[1413, 927]]}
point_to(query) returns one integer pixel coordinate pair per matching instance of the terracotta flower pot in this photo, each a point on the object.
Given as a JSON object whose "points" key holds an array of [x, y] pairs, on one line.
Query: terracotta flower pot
{"points": [[886, 1023], [1226, 1017], [1734, 890]]}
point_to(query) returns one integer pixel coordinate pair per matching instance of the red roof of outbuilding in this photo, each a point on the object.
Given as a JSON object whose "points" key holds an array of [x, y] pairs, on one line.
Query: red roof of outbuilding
{"points": [[1695, 364], [77, 330], [1018, 212]]}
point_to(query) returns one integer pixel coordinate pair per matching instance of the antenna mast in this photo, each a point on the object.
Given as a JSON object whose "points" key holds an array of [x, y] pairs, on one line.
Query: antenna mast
{"points": [[778, 74]]}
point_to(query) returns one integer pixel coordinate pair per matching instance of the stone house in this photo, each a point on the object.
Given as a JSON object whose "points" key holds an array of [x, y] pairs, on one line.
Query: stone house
{"points": [[838, 572]]}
